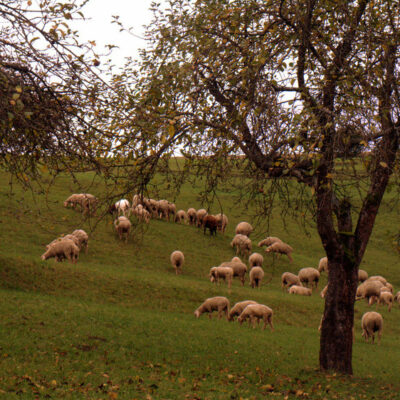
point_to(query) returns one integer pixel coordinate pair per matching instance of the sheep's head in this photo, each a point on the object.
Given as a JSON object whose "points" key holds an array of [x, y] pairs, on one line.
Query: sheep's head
{"points": [[197, 313]]}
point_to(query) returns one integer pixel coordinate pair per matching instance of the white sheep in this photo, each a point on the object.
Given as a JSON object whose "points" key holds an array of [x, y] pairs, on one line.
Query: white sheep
{"points": [[172, 210], [372, 322], [236, 259], [362, 275], [88, 203], [243, 228], [218, 303], [386, 298], [301, 290], [309, 276], [288, 279], [62, 249], [268, 241], [377, 278], [181, 217], [242, 243], [123, 207], [192, 216], [256, 276], [397, 297], [238, 308], [369, 290], [70, 237], [83, 238], [256, 312], [123, 227], [218, 273], [177, 259], [281, 248], [163, 209], [74, 200], [141, 213], [239, 270], [256, 259], [200, 214], [323, 264], [222, 220]]}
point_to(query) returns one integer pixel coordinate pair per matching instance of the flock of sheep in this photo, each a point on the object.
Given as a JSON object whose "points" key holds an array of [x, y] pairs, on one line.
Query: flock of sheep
{"points": [[373, 289]]}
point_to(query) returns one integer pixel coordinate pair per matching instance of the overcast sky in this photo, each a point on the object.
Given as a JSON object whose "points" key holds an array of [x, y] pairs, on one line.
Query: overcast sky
{"points": [[133, 13]]}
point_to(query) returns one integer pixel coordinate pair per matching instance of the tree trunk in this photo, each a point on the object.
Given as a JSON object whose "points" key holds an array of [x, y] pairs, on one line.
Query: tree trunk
{"points": [[337, 327]]}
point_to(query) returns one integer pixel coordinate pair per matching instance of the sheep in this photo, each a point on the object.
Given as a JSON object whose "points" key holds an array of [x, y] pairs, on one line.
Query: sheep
{"points": [[181, 217], [256, 312], [192, 215], [73, 200], [243, 228], [123, 207], [242, 244], [239, 270], [89, 204], [236, 259], [123, 227], [397, 297], [377, 278], [369, 290], [309, 276], [62, 249], [171, 210], [222, 222], [163, 209], [200, 214], [323, 291], [389, 286], [372, 322], [386, 298], [221, 272], [281, 248], [288, 279], [210, 222], [268, 241], [83, 238], [301, 290], [153, 207], [218, 303], [177, 260], [362, 275], [256, 275], [256, 259], [70, 237], [238, 308], [323, 264], [142, 213]]}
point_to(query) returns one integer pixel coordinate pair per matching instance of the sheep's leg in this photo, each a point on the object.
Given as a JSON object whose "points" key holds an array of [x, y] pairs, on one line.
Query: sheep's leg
{"points": [[270, 322]]}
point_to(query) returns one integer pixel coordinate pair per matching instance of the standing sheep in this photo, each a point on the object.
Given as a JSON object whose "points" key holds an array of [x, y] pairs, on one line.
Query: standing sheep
{"points": [[163, 209], [171, 210], [177, 260], [200, 216], [257, 312], [256, 259], [288, 279], [210, 222], [238, 308], [397, 297], [221, 272], [181, 217], [83, 238], [123, 227], [239, 270], [281, 248], [192, 216], [123, 207], [218, 303], [268, 241], [242, 244], [309, 276], [362, 275], [369, 290], [372, 322], [256, 276], [62, 249], [323, 264], [243, 228], [386, 298], [301, 290], [222, 222]]}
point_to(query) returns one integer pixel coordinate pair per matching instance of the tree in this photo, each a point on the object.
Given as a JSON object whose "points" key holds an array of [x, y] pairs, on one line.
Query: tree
{"points": [[299, 88], [48, 83]]}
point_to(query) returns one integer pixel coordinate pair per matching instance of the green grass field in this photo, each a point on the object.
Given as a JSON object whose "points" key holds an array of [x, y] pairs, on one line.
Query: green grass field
{"points": [[120, 323]]}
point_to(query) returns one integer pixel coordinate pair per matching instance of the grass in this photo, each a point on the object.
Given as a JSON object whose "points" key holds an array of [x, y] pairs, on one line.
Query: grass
{"points": [[120, 324]]}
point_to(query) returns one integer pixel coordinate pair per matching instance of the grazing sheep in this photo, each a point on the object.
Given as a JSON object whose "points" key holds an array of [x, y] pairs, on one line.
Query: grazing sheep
{"points": [[236, 259], [123, 207], [257, 312], [256, 259], [88, 203], [239, 270], [242, 244], [281, 248], [369, 290], [397, 297], [74, 200], [323, 264], [62, 249], [323, 291], [362, 275], [181, 217], [222, 222], [301, 290], [256, 276], [171, 210], [377, 278], [200, 216], [243, 228], [192, 215], [218, 273], [177, 260], [83, 238], [210, 222], [389, 286], [288, 279], [123, 227], [218, 303], [386, 298], [163, 209], [238, 308], [142, 214], [309, 276], [153, 207], [70, 237], [269, 240], [372, 322]]}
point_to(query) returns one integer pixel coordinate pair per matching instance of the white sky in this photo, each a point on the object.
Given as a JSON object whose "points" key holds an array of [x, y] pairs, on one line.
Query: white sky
{"points": [[133, 13]]}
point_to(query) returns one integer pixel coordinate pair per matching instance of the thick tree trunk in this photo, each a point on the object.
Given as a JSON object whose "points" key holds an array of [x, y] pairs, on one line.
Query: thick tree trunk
{"points": [[337, 327]]}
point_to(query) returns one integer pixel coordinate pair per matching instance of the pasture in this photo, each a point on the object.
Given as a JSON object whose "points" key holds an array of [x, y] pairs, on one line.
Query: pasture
{"points": [[120, 323]]}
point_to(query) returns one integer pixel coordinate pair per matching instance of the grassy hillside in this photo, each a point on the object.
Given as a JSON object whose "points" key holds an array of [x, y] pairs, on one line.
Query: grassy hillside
{"points": [[120, 323]]}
